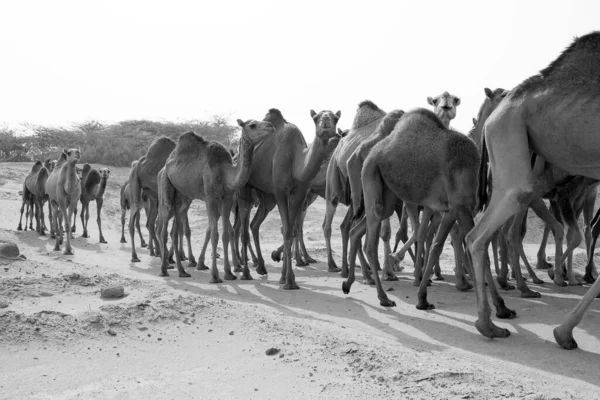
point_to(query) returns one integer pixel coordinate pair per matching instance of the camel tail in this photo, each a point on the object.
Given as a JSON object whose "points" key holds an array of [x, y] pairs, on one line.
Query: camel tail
{"points": [[595, 219], [482, 190], [355, 183]]}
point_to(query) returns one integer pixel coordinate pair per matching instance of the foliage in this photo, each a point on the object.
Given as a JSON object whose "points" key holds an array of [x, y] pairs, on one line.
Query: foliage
{"points": [[111, 144]]}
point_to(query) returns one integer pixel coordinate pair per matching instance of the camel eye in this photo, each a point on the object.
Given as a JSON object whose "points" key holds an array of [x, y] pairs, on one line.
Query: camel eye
{"points": [[253, 125]]}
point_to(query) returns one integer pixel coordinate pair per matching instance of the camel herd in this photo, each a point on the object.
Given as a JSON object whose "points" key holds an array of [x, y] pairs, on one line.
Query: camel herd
{"points": [[537, 141]]}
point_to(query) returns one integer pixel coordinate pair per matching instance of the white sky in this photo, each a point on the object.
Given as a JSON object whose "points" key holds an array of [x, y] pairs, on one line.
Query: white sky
{"points": [[71, 61]]}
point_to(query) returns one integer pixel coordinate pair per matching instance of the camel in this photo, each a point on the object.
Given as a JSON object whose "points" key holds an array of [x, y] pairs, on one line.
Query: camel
{"points": [[555, 114], [367, 118], [143, 176], [63, 188], [442, 178], [125, 202], [200, 169], [283, 168], [444, 106], [93, 186], [34, 195]]}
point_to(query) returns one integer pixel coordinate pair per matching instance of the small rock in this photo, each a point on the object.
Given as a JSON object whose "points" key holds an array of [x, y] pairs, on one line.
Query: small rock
{"points": [[3, 304], [390, 289], [210, 330], [46, 294], [159, 339], [112, 333], [231, 333], [115, 292], [281, 355], [272, 351]]}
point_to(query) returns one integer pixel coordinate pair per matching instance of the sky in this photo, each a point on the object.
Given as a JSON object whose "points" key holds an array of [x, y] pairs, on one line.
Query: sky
{"points": [[66, 62]]}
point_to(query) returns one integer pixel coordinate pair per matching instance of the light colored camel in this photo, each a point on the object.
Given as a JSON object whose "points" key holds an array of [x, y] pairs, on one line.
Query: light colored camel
{"points": [[34, 195], [63, 188], [284, 167], [201, 169], [93, 186], [424, 163], [539, 115]]}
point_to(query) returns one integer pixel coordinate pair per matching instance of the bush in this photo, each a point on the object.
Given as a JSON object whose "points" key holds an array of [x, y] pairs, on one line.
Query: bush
{"points": [[116, 144]]}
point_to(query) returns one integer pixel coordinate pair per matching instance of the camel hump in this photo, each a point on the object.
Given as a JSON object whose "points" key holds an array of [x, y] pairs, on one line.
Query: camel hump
{"points": [[274, 116], [160, 148], [36, 166], [93, 178], [387, 124], [583, 52], [217, 154], [427, 115], [367, 112], [61, 160]]}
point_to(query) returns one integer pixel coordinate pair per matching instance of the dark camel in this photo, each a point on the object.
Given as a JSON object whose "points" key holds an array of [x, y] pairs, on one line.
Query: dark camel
{"points": [[63, 188], [555, 114], [200, 169], [283, 168], [34, 195], [125, 202], [424, 163], [93, 186]]}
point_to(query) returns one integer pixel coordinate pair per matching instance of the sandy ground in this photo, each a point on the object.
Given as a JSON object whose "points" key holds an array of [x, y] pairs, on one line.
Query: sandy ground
{"points": [[185, 338]]}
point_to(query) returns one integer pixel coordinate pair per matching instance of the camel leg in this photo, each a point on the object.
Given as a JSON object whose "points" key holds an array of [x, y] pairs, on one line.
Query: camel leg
{"points": [[99, 203], [591, 273], [444, 227], [421, 234], [245, 243], [431, 231], [412, 211], [151, 226], [495, 245], [41, 217], [563, 334], [345, 227], [388, 266], [289, 207], [30, 205], [201, 265], [330, 208], [68, 213], [135, 192], [24, 202], [181, 208], [82, 216], [56, 225], [541, 255], [574, 239], [165, 208], [265, 206], [212, 209], [462, 283], [188, 236], [123, 215], [513, 233], [502, 279], [224, 209]]}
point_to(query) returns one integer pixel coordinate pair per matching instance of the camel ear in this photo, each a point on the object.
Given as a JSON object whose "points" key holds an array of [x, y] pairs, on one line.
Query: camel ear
{"points": [[240, 122], [488, 93], [456, 101], [66, 151], [474, 121], [339, 114], [312, 113], [430, 101], [504, 93]]}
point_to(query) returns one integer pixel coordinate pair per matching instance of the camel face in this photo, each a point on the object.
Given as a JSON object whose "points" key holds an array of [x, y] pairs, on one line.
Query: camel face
{"points": [[326, 123], [104, 173], [444, 106], [256, 130], [73, 155]]}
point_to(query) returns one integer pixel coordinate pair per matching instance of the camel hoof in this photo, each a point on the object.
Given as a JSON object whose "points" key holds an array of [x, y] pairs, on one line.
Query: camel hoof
{"points": [[544, 265], [282, 280], [201, 267], [68, 252], [488, 329], [291, 286], [19, 228], [504, 284], [311, 260], [345, 273], [135, 259], [215, 279], [247, 277], [588, 278], [416, 282], [538, 281], [368, 281], [125, 241], [463, 287], [142, 244], [505, 313], [439, 278], [261, 270], [85, 235], [560, 282], [424, 305], [564, 338], [389, 277], [346, 287], [42, 234], [102, 241], [237, 268], [335, 269], [276, 256], [192, 263], [387, 303], [171, 260], [170, 267], [229, 276], [301, 263], [183, 274], [52, 236], [163, 273], [530, 294], [56, 248]]}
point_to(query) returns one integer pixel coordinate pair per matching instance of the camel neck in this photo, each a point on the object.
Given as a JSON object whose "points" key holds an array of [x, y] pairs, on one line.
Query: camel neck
{"points": [[72, 181], [307, 164]]}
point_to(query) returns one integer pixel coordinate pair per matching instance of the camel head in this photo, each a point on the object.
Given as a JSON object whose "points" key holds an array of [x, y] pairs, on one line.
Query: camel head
{"points": [[104, 173], [444, 106], [73, 155], [491, 101], [342, 133], [255, 130], [326, 123], [79, 172], [52, 165]]}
